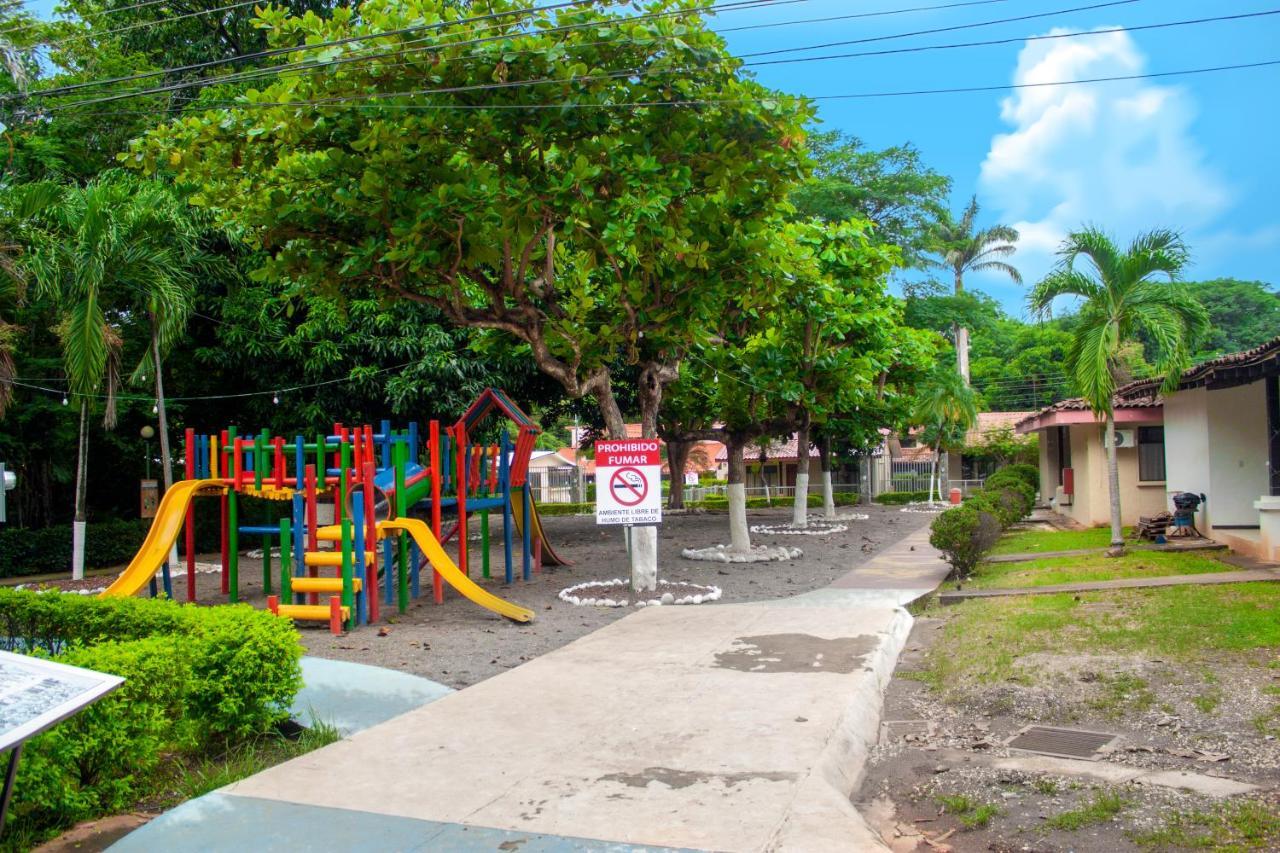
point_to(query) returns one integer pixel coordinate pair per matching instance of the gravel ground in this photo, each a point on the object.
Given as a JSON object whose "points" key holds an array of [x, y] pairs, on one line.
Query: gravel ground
{"points": [[458, 643], [1199, 719]]}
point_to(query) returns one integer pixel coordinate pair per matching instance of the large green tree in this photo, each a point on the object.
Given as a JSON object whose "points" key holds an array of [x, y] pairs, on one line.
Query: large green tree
{"points": [[960, 247], [1126, 293], [945, 409], [516, 182], [892, 188], [1242, 314]]}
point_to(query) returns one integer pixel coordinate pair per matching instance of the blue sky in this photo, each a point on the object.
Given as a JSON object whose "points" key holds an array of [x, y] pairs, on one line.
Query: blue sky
{"points": [[1194, 153]]}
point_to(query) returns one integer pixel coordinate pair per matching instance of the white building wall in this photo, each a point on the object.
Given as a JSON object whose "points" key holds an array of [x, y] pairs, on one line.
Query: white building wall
{"points": [[1237, 429]]}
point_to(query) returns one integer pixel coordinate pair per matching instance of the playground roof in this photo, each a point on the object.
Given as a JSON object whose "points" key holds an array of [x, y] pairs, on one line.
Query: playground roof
{"points": [[489, 400]]}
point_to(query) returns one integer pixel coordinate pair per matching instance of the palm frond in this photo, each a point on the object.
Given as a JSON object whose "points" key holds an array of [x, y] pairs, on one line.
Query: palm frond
{"points": [[1098, 247], [1060, 282], [999, 266]]}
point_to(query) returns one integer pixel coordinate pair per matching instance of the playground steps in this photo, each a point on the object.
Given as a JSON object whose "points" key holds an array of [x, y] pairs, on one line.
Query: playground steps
{"points": [[332, 585], [333, 612], [330, 558]]}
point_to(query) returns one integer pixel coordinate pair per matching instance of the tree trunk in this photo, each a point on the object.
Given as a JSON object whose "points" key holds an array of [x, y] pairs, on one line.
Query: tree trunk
{"points": [[800, 507], [824, 462], [739, 533], [166, 458], [1113, 483], [764, 477], [933, 473], [961, 336], [677, 459], [82, 489]]}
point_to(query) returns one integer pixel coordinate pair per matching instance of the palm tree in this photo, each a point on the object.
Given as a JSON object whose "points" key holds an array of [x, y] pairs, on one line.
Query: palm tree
{"points": [[1126, 294], [18, 204], [946, 408], [961, 250], [100, 249]]}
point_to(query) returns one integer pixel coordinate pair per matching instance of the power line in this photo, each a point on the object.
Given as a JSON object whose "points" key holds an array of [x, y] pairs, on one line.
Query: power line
{"points": [[281, 51], [950, 29], [256, 73], [20, 383], [349, 101]]}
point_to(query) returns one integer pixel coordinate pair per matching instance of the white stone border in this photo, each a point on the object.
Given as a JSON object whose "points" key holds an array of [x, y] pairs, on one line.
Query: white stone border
{"points": [[568, 596], [814, 528], [926, 507], [758, 554], [849, 516]]}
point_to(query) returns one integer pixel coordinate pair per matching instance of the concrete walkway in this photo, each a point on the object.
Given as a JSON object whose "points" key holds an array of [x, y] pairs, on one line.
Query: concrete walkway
{"points": [[1202, 579], [730, 727]]}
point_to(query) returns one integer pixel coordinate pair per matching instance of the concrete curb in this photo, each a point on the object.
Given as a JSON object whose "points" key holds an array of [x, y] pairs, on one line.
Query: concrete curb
{"points": [[822, 816]]}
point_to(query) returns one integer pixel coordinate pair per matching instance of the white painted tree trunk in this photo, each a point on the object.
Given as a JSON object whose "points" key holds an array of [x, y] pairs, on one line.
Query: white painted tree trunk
{"points": [[800, 509], [828, 496], [933, 474], [77, 550], [739, 533], [644, 558]]}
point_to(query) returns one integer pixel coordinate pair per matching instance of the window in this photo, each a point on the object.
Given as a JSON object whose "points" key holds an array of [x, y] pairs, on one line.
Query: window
{"points": [[1150, 453]]}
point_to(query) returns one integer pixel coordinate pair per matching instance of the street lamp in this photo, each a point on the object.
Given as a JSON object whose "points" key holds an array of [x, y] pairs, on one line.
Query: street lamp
{"points": [[147, 432]]}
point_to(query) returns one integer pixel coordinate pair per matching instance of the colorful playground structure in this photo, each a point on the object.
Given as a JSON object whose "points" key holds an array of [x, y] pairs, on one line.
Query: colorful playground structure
{"points": [[372, 481]]}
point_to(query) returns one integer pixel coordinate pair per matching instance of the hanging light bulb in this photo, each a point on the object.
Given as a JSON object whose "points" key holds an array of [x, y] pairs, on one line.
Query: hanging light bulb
{"points": [[64, 399], [155, 408], [275, 398]]}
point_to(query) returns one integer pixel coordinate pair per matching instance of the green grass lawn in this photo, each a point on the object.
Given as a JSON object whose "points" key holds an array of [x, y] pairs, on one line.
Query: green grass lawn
{"points": [[1047, 571], [1042, 541], [983, 638]]}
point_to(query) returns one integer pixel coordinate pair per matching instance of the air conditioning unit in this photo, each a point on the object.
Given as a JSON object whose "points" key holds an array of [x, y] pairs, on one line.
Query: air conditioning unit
{"points": [[1126, 438]]}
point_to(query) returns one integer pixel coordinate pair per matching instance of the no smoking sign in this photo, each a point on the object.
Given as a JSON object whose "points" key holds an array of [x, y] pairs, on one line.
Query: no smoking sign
{"points": [[628, 482]]}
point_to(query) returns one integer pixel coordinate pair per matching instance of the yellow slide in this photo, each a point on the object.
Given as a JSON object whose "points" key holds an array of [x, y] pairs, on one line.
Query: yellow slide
{"points": [[549, 555], [165, 527], [448, 570]]}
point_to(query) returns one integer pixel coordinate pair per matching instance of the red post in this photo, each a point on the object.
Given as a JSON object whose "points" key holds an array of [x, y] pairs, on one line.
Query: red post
{"points": [[433, 456], [190, 538], [335, 615], [237, 461], [370, 543], [278, 464], [273, 604]]}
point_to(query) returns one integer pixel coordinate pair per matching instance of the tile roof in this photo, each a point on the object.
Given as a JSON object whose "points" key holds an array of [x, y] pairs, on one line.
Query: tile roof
{"points": [[1079, 404], [777, 451], [989, 422], [1236, 368]]}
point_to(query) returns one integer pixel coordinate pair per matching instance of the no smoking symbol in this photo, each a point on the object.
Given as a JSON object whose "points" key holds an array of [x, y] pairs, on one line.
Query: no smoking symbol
{"points": [[629, 486]]}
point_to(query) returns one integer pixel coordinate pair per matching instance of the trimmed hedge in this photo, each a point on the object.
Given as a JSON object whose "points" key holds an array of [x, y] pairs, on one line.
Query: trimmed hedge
{"points": [[197, 679], [899, 498], [964, 534], [34, 552]]}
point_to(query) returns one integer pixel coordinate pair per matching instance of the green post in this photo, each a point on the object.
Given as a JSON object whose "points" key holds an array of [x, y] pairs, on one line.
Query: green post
{"points": [[266, 564], [233, 527], [257, 461], [286, 559], [398, 454], [344, 484], [484, 543], [322, 470], [348, 588]]}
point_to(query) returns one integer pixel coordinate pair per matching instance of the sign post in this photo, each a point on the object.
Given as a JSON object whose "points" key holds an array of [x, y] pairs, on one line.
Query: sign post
{"points": [[628, 482]]}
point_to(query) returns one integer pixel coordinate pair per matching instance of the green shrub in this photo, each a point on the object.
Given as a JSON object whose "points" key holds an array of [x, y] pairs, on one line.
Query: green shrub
{"points": [[196, 678], [45, 550], [1030, 474], [566, 509], [964, 534], [1009, 502], [1004, 478], [899, 498]]}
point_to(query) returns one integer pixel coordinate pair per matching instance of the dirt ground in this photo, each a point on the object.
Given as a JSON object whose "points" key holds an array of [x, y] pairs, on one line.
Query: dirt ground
{"points": [[933, 759], [458, 643]]}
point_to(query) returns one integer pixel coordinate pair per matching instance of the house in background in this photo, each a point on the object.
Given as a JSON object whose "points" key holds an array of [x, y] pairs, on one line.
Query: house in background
{"points": [[967, 468], [1222, 440], [1073, 461]]}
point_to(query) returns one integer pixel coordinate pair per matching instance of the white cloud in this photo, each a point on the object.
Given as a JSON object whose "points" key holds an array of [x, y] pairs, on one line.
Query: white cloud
{"points": [[1119, 155]]}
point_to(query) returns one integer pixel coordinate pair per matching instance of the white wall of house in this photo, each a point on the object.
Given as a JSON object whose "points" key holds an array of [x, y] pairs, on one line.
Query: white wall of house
{"points": [[1216, 444], [1237, 453]]}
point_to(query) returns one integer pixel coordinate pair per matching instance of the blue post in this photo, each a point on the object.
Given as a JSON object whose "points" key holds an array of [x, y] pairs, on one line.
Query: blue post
{"points": [[361, 571], [415, 567], [504, 483], [299, 537], [385, 427], [388, 571], [527, 495]]}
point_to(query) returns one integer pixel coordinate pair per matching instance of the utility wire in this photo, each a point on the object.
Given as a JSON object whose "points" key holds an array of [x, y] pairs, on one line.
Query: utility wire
{"points": [[350, 101], [353, 39], [241, 76]]}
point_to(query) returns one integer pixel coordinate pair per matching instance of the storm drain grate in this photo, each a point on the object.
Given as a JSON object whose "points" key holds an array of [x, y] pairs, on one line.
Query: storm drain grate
{"points": [[1062, 743], [906, 729]]}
